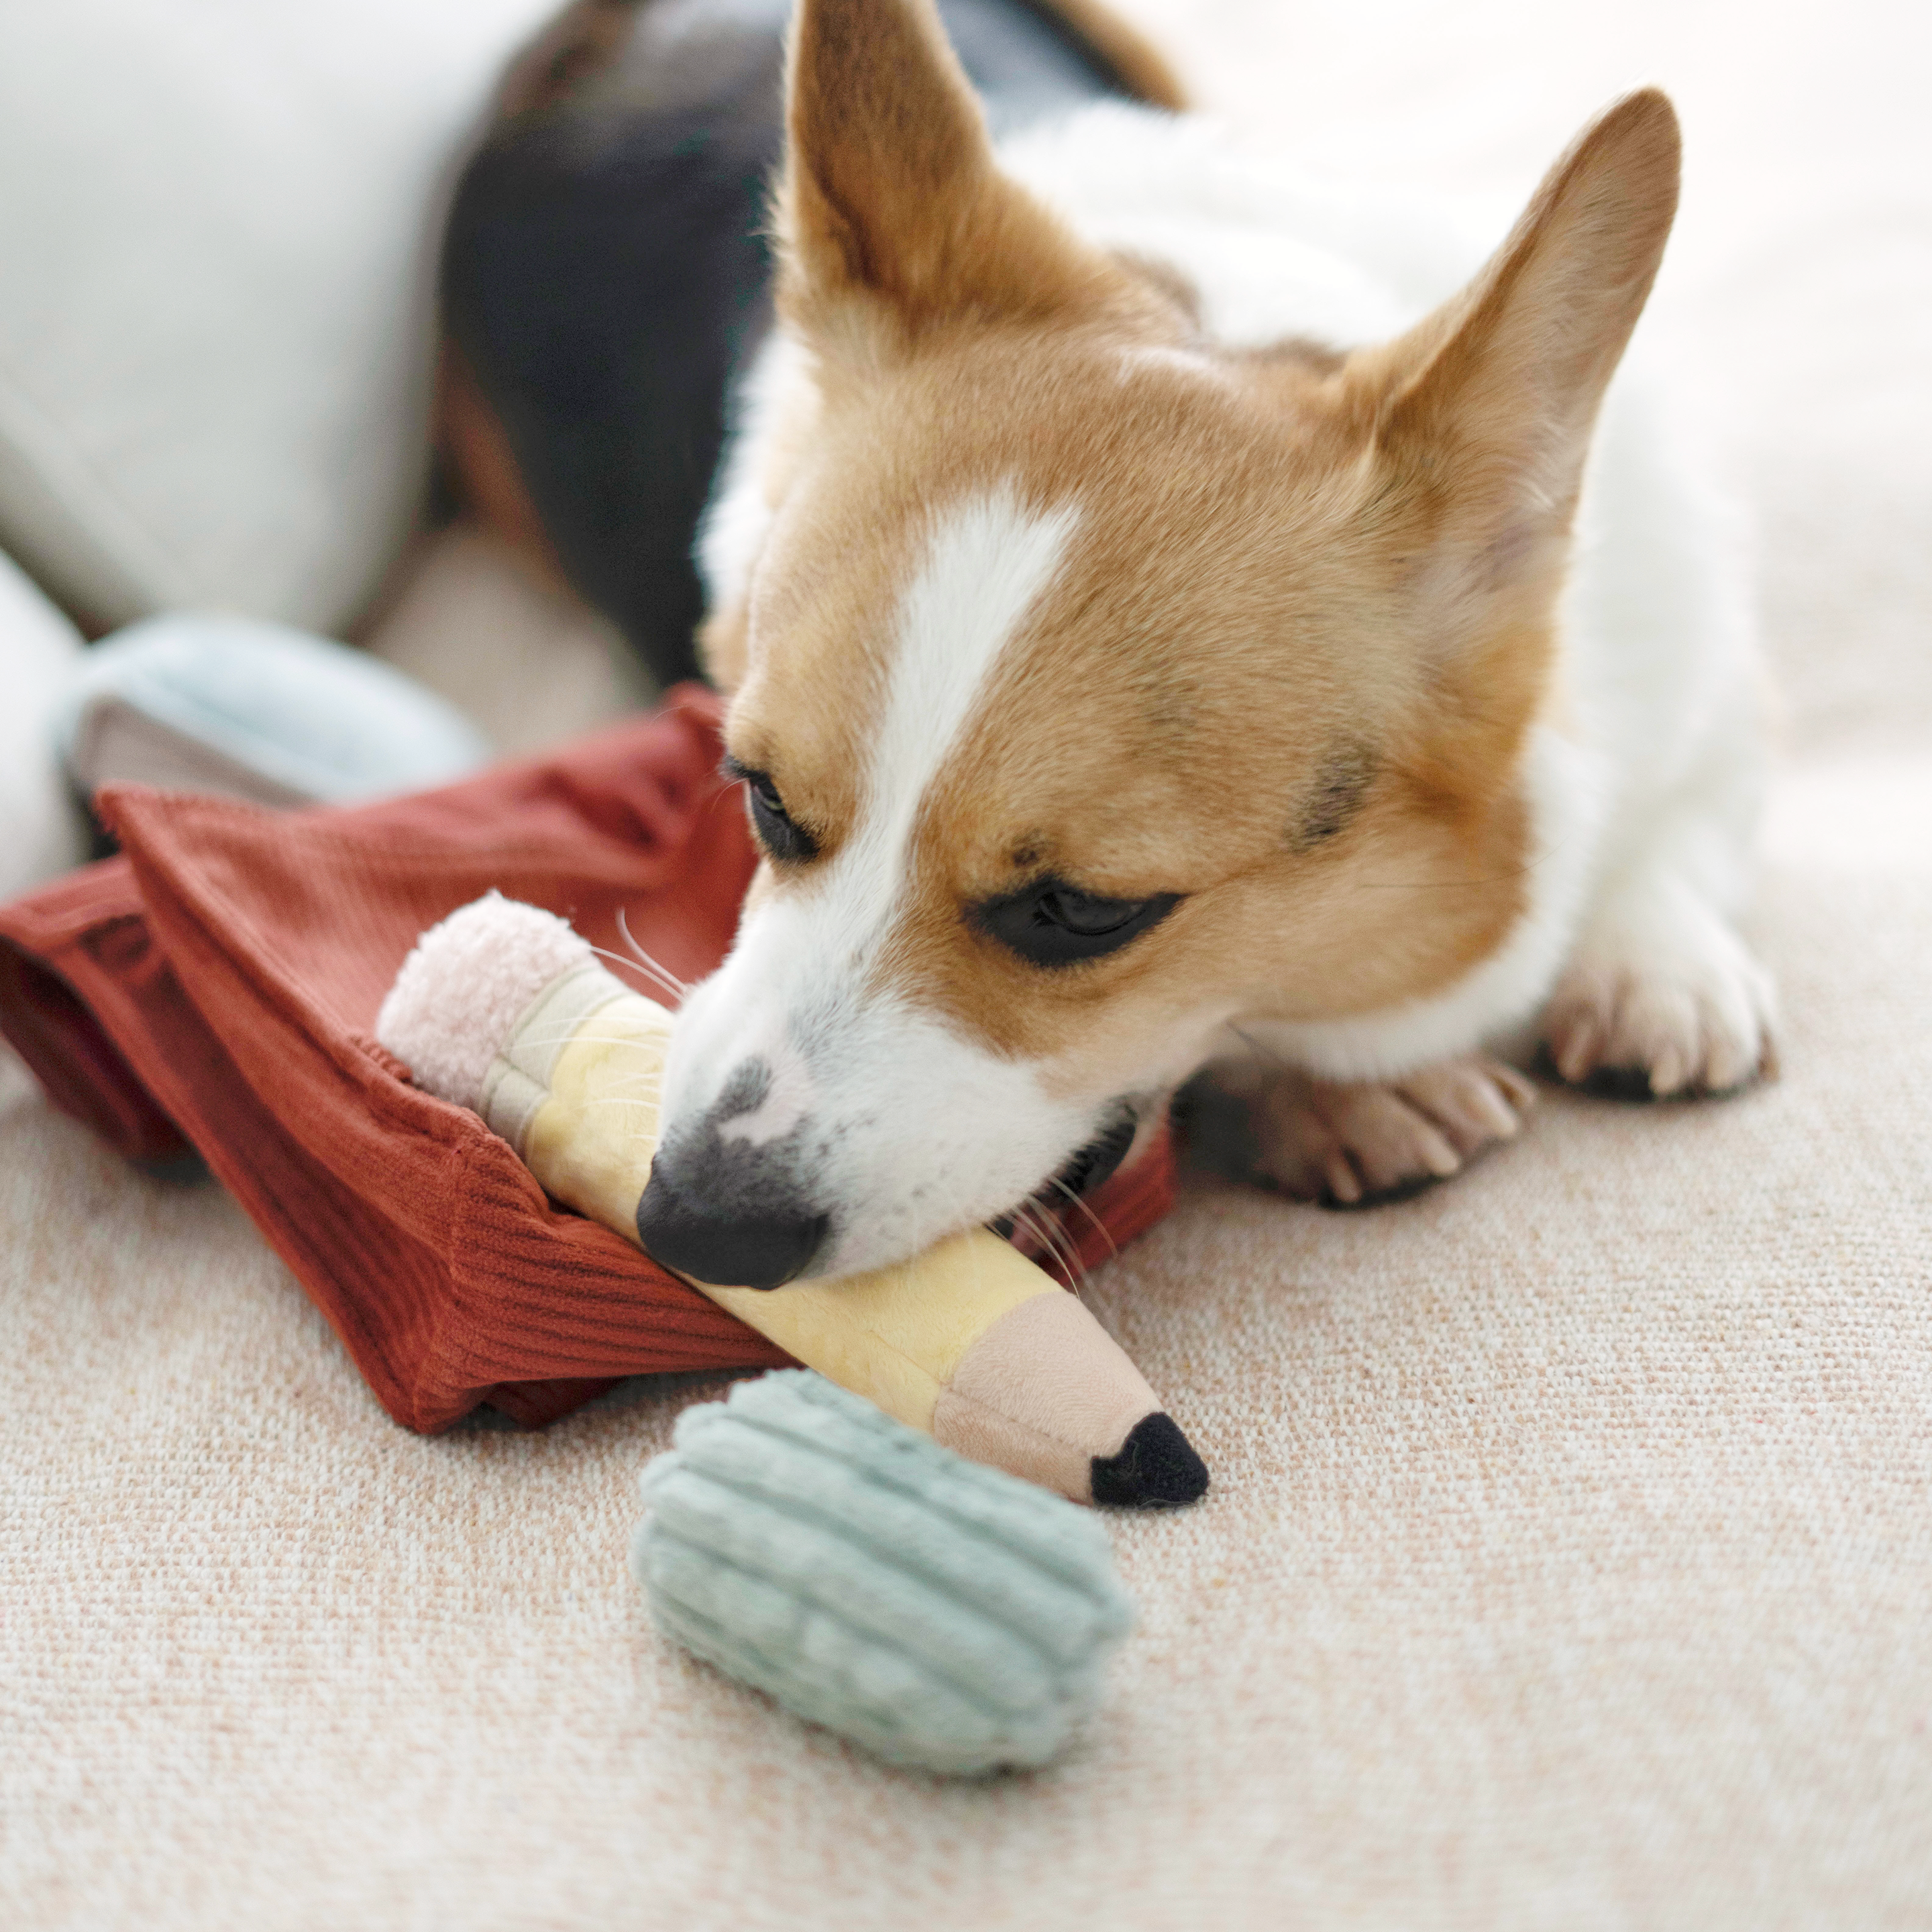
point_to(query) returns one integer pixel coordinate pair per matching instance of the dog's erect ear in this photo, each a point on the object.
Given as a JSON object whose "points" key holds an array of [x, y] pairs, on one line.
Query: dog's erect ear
{"points": [[890, 209], [1483, 412]]}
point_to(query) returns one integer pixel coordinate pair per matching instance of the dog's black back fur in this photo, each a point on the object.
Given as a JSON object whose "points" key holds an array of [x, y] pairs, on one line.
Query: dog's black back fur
{"points": [[606, 272]]}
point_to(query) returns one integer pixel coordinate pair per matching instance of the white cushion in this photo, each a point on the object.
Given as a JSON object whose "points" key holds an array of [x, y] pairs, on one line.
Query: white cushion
{"points": [[216, 322], [42, 829]]}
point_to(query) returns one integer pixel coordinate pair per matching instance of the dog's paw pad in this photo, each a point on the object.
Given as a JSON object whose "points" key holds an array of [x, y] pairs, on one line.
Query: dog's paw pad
{"points": [[1354, 1144], [1690, 1022]]}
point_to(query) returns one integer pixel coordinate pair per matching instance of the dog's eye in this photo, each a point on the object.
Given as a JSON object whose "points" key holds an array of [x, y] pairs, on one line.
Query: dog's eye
{"points": [[1054, 924], [779, 833]]}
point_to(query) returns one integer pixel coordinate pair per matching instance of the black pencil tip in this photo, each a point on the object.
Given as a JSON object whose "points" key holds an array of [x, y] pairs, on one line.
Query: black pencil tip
{"points": [[1156, 1468]]}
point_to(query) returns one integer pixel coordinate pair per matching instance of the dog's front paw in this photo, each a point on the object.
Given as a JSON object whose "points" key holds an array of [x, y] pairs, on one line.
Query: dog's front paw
{"points": [[1691, 1016], [1354, 1143]]}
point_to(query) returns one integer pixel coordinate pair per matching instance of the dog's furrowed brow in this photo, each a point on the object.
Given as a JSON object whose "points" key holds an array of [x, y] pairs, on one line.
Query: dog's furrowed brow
{"points": [[1342, 782]]}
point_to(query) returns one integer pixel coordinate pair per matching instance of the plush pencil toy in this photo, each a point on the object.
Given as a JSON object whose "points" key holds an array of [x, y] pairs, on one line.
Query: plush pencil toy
{"points": [[503, 1009]]}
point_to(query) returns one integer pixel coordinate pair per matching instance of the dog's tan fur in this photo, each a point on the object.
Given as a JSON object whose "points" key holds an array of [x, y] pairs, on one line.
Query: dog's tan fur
{"points": [[1378, 538], [1281, 631]]}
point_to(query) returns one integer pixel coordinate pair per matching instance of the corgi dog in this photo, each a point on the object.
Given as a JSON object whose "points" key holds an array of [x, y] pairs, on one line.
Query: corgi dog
{"points": [[1178, 617]]}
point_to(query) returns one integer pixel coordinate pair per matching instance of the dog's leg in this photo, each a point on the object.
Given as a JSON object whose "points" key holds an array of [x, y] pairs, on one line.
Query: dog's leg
{"points": [[1661, 996], [1351, 1144]]}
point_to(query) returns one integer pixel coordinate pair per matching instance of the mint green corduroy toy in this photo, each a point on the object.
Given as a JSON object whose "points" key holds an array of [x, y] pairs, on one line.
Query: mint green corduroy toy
{"points": [[939, 1612]]}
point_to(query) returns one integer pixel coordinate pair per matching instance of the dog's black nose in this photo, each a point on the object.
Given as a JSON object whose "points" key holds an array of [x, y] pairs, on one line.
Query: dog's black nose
{"points": [[728, 1248]]}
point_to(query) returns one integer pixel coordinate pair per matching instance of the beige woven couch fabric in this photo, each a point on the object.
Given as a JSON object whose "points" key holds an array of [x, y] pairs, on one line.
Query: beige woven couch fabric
{"points": [[1569, 1563]]}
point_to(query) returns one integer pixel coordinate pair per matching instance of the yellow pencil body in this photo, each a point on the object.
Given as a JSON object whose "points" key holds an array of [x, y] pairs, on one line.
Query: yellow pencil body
{"points": [[968, 1341]]}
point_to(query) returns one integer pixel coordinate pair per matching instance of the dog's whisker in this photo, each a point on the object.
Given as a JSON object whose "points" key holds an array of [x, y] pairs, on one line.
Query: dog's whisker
{"points": [[664, 973], [1080, 1202], [1259, 1049], [651, 972], [592, 1039], [1024, 1218], [1046, 1228]]}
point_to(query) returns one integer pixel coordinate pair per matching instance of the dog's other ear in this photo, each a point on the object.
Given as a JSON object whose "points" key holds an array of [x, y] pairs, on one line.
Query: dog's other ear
{"points": [[1482, 413], [890, 209]]}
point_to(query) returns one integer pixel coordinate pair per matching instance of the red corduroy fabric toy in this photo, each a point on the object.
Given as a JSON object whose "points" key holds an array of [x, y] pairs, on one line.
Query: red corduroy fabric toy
{"points": [[216, 986]]}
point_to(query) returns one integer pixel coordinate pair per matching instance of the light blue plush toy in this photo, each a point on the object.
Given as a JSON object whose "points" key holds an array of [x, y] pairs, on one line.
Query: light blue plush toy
{"points": [[939, 1612], [254, 710]]}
